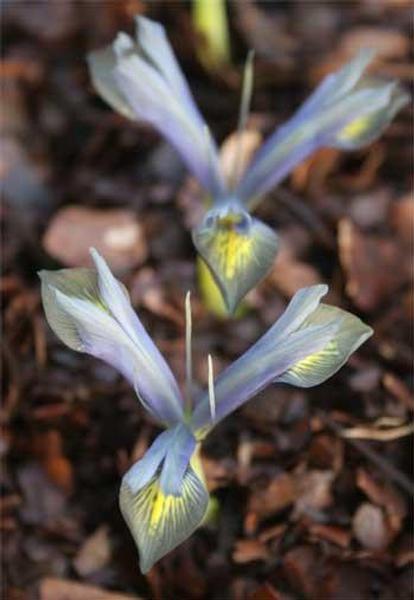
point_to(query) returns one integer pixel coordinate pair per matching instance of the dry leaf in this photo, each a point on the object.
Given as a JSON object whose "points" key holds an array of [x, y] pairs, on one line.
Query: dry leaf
{"points": [[277, 495], [62, 589], [384, 495], [299, 566], [289, 274], [387, 43], [402, 219], [95, 552], [313, 491], [370, 527], [48, 446], [116, 234], [375, 267], [237, 151], [246, 551], [331, 533]]}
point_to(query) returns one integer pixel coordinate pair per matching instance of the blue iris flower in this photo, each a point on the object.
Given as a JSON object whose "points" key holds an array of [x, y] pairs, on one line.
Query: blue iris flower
{"points": [[141, 78], [163, 497]]}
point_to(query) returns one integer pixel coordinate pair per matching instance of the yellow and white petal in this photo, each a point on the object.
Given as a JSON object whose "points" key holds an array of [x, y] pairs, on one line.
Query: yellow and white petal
{"points": [[319, 366], [160, 522], [366, 129], [239, 251]]}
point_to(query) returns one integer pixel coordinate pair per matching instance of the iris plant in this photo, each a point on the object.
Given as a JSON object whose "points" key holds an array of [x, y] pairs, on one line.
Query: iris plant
{"points": [[163, 497], [140, 78]]}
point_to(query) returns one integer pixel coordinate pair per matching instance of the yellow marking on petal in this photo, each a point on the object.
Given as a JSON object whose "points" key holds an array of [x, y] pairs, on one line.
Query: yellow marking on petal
{"points": [[354, 129], [232, 248], [211, 293], [317, 360]]}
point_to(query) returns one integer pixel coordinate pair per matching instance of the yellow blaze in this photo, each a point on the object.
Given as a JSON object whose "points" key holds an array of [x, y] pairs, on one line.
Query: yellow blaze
{"points": [[355, 128], [232, 247], [317, 360]]}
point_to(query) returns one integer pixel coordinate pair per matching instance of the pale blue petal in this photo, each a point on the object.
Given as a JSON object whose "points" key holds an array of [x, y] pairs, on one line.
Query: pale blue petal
{"points": [[302, 135], [101, 66], [116, 298], [343, 99], [180, 449], [144, 470], [306, 345], [256, 369], [143, 81], [335, 85], [151, 38], [154, 102], [80, 316]]}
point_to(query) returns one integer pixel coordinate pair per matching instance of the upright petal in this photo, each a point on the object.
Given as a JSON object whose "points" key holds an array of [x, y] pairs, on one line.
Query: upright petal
{"points": [[90, 312], [158, 519], [344, 111], [142, 80], [151, 39], [306, 337], [102, 64], [238, 249]]}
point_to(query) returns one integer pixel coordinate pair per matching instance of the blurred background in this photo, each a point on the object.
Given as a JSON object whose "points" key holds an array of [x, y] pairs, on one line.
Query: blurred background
{"points": [[312, 488]]}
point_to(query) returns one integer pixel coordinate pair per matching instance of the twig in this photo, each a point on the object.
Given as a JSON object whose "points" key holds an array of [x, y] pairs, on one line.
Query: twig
{"points": [[306, 215], [392, 472]]}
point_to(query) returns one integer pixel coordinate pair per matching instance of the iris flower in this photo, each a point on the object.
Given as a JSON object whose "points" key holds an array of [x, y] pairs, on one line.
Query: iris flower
{"points": [[140, 78], [163, 496]]}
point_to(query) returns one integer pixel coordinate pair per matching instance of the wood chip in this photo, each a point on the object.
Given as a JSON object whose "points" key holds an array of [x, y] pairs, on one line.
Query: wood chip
{"points": [[331, 533], [62, 589], [94, 553], [278, 495], [375, 267], [249, 550], [116, 234], [370, 527]]}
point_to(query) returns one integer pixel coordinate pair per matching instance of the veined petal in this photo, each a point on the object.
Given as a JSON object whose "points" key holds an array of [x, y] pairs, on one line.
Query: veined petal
{"points": [[343, 112], [301, 136], [143, 81], [154, 102], [366, 129], [181, 447], [101, 66], [144, 469], [238, 249], [335, 85], [305, 335], [318, 367], [90, 312], [159, 521], [151, 39]]}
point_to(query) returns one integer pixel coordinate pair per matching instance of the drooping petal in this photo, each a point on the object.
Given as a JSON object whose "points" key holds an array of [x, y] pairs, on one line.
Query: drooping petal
{"points": [[343, 112], [336, 85], [238, 249], [90, 312], [159, 520], [318, 367], [143, 81], [304, 331], [364, 130]]}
